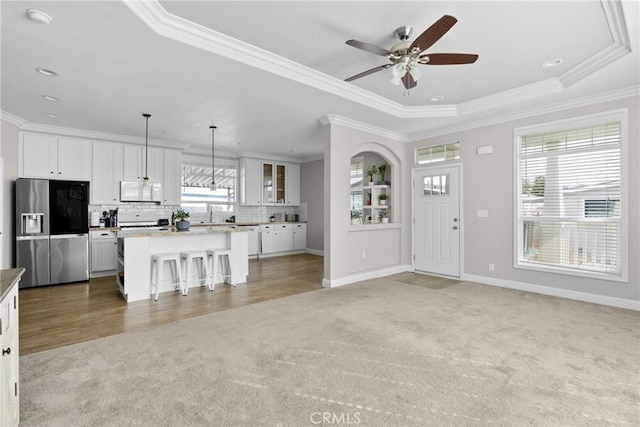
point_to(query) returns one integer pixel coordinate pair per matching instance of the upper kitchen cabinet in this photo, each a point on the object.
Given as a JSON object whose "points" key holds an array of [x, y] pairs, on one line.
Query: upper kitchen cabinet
{"points": [[132, 162], [171, 186], [107, 173], [250, 182], [268, 183], [136, 166], [53, 157]]}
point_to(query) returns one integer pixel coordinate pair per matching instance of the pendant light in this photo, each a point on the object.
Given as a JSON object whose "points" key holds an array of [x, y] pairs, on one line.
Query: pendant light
{"points": [[213, 170], [145, 180]]}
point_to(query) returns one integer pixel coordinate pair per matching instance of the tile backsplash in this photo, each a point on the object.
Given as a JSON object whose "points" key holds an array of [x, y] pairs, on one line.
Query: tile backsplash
{"points": [[242, 213]]}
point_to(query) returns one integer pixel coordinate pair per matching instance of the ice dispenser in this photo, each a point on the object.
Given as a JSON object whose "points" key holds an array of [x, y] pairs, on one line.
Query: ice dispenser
{"points": [[32, 223]]}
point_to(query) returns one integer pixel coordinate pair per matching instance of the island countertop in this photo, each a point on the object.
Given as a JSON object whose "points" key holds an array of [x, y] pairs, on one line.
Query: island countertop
{"points": [[8, 279], [171, 232]]}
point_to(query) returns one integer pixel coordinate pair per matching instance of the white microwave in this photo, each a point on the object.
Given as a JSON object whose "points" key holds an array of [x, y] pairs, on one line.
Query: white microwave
{"points": [[135, 191]]}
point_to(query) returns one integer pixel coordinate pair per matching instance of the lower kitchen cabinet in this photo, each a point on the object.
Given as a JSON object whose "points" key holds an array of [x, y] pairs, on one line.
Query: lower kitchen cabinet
{"points": [[276, 238], [299, 237], [103, 253], [9, 361]]}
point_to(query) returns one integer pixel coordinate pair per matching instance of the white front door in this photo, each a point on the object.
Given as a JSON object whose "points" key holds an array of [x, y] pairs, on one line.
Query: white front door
{"points": [[436, 220]]}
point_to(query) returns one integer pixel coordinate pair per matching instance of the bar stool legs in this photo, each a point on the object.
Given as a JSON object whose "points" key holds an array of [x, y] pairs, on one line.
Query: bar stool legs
{"points": [[202, 265], [157, 263], [221, 266]]}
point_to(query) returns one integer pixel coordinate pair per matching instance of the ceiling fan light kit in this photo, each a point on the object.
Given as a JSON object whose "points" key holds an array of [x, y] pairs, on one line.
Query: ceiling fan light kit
{"points": [[406, 56]]}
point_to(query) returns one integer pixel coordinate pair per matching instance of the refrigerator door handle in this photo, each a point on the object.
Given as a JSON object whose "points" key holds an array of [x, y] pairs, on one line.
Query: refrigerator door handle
{"points": [[32, 237], [67, 236]]}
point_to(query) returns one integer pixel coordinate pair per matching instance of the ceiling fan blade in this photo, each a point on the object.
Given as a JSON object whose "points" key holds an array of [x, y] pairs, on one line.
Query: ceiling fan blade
{"points": [[368, 47], [408, 81], [449, 58], [371, 71], [434, 32]]}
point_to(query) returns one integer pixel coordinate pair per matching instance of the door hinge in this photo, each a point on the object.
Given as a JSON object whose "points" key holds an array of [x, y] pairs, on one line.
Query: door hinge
{"points": [[15, 388], [15, 302], [0, 326]]}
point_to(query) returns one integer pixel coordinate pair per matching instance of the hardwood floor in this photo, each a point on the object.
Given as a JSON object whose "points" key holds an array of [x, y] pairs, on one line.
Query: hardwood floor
{"points": [[55, 316]]}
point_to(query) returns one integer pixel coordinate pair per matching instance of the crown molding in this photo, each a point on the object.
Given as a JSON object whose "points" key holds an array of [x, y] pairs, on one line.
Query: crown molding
{"points": [[95, 135], [363, 127], [506, 97], [11, 118], [620, 46], [560, 106], [184, 31]]}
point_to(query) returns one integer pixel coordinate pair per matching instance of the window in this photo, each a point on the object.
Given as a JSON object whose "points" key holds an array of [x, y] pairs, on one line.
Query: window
{"points": [[570, 215], [197, 196], [357, 183], [437, 185], [439, 153]]}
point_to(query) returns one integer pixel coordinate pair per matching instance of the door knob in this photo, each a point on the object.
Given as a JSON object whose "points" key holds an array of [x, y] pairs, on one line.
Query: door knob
{"points": [[455, 227]]}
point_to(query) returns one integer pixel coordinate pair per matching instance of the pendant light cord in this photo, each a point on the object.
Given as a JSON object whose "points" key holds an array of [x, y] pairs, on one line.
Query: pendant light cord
{"points": [[213, 170], [146, 148]]}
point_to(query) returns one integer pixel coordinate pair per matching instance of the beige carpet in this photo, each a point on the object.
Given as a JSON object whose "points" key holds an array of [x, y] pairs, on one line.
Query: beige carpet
{"points": [[376, 353]]}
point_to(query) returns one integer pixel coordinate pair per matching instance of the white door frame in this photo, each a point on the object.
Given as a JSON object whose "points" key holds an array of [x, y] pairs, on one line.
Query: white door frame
{"points": [[422, 169]]}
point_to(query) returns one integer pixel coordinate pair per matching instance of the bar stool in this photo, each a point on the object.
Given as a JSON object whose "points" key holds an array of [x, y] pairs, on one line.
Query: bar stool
{"points": [[223, 257], [157, 263], [202, 265]]}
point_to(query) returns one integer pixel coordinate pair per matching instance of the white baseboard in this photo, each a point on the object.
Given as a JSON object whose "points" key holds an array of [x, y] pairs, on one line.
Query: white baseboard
{"points": [[556, 292], [315, 252], [365, 276]]}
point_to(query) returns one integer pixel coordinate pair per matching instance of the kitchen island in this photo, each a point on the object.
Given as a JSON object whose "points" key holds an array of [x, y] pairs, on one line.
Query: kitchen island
{"points": [[135, 249]]}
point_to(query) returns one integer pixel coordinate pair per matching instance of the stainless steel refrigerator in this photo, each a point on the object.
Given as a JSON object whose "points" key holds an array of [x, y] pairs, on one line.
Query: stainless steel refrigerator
{"points": [[52, 231]]}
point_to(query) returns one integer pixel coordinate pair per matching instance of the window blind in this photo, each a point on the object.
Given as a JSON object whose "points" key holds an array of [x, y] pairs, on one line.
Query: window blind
{"points": [[569, 199]]}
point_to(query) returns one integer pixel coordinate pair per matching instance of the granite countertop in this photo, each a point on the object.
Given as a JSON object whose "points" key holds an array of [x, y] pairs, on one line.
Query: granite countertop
{"points": [[9, 279], [172, 232], [209, 224]]}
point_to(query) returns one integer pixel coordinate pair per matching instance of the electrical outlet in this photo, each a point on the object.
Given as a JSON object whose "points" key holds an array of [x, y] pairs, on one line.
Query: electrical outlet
{"points": [[483, 213], [491, 267], [364, 254]]}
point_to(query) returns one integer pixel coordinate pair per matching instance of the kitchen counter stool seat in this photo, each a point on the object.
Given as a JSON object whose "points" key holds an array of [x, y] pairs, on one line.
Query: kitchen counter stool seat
{"points": [[157, 263], [202, 266], [221, 266]]}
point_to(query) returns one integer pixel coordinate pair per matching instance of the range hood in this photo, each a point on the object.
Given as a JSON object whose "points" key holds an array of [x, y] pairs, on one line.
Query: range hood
{"points": [[134, 191]]}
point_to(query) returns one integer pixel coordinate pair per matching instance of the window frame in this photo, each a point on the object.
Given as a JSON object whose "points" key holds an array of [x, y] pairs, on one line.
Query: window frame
{"points": [[590, 120], [431, 148], [219, 163]]}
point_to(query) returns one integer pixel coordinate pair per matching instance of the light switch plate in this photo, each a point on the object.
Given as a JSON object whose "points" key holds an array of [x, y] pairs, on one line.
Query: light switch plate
{"points": [[483, 213]]}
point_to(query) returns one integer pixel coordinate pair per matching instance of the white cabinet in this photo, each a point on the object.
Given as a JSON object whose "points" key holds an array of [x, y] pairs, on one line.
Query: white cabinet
{"points": [[299, 237], [103, 253], [53, 157], [269, 183], [171, 184], [293, 184], [250, 182], [283, 239], [107, 173], [132, 163], [267, 238], [9, 361]]}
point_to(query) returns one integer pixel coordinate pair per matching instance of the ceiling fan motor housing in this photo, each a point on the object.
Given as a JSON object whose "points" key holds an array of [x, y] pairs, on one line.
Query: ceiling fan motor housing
{"points": [[404, 32]]}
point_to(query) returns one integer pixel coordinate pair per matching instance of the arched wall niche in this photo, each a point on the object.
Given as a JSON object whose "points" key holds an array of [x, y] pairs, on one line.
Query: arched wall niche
{"points": [[374, 153]]}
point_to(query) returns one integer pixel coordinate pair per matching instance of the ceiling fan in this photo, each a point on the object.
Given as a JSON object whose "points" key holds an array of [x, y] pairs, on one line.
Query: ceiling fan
{"points": [[406, 56]]}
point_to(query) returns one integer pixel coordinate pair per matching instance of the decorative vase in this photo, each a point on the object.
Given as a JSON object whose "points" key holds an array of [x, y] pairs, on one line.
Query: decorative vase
{"points": [[183, 225], [355, 221], [383, 202], [384, 220]]}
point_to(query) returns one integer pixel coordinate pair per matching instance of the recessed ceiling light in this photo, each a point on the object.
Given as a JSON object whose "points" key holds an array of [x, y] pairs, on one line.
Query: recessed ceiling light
{"points": [[553, 62], [46, 72], [39, 16], [161, 132], [437, 98], [53, 116], [50, 98]]}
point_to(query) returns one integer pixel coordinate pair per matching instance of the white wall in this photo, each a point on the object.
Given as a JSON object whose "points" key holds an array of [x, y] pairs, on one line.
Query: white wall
{"points": [[384, 248], [488, 184], [312, 193], [9, 152]]}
